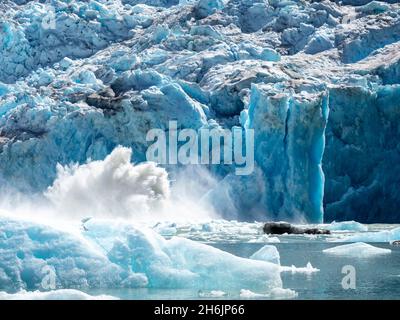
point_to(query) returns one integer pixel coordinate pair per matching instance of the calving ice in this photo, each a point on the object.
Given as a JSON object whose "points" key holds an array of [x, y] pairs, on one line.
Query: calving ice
{"points": [[203, 146], [171, 310]]}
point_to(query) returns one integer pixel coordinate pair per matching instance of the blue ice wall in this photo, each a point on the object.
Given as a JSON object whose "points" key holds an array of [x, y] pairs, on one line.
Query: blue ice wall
{"points": [[289, 139], [362, 156]]}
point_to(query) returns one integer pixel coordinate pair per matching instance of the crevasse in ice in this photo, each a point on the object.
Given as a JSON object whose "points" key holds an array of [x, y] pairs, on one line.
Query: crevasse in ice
{"points": [[317, 81]]}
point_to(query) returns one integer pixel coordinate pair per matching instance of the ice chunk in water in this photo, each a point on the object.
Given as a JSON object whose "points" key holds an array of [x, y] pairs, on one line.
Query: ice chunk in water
{"points": [[265, 239], [267, 253], [216, 269], [357, 250], [276, 293], [380, 236], [62, 294], [119, 255], [346, 226], [212, 294], [308, 269]]}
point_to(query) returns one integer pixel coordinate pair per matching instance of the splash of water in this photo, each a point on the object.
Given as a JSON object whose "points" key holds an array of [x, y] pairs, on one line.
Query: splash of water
{"points": [[116, 188]]}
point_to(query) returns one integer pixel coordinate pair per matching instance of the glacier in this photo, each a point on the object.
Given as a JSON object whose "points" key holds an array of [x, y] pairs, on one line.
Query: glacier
{"points": [[318, 82]]}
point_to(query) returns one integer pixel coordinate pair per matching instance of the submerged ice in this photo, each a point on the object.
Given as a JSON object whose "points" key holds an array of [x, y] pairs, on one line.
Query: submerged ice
{"points": [[317, 81]]}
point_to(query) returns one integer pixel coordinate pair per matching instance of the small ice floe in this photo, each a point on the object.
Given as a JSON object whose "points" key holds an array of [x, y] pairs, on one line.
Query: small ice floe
{"points": [[248, 294], [310, 236], [349, 226], [276, 293], [308, 269], [267, 253], [281, 293], [264, 239], [212, 294], [62, 294], [357, 250], [380, 236]]}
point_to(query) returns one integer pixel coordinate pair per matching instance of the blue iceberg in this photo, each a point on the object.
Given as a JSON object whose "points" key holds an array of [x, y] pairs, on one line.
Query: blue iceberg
{"points": [[119, 255]]}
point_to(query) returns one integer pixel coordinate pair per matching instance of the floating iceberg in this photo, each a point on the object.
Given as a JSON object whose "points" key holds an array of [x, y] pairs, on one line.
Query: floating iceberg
{"points": [[357, 250], [380, 236], [276, 293], [309, 269], [120, 255], [267, 253], [346, 226], [265, 239]]}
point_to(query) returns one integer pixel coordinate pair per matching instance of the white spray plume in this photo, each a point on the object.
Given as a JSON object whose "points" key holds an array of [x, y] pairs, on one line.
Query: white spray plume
{"points": [[116, 188], [113, 187]]}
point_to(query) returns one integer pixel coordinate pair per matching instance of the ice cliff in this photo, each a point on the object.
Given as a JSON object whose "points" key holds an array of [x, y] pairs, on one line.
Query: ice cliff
{"points": [[319, 82]]}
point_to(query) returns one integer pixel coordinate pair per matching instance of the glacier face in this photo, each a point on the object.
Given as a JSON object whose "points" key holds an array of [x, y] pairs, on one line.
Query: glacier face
{"points": [[291, 166], [317, 81]]}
